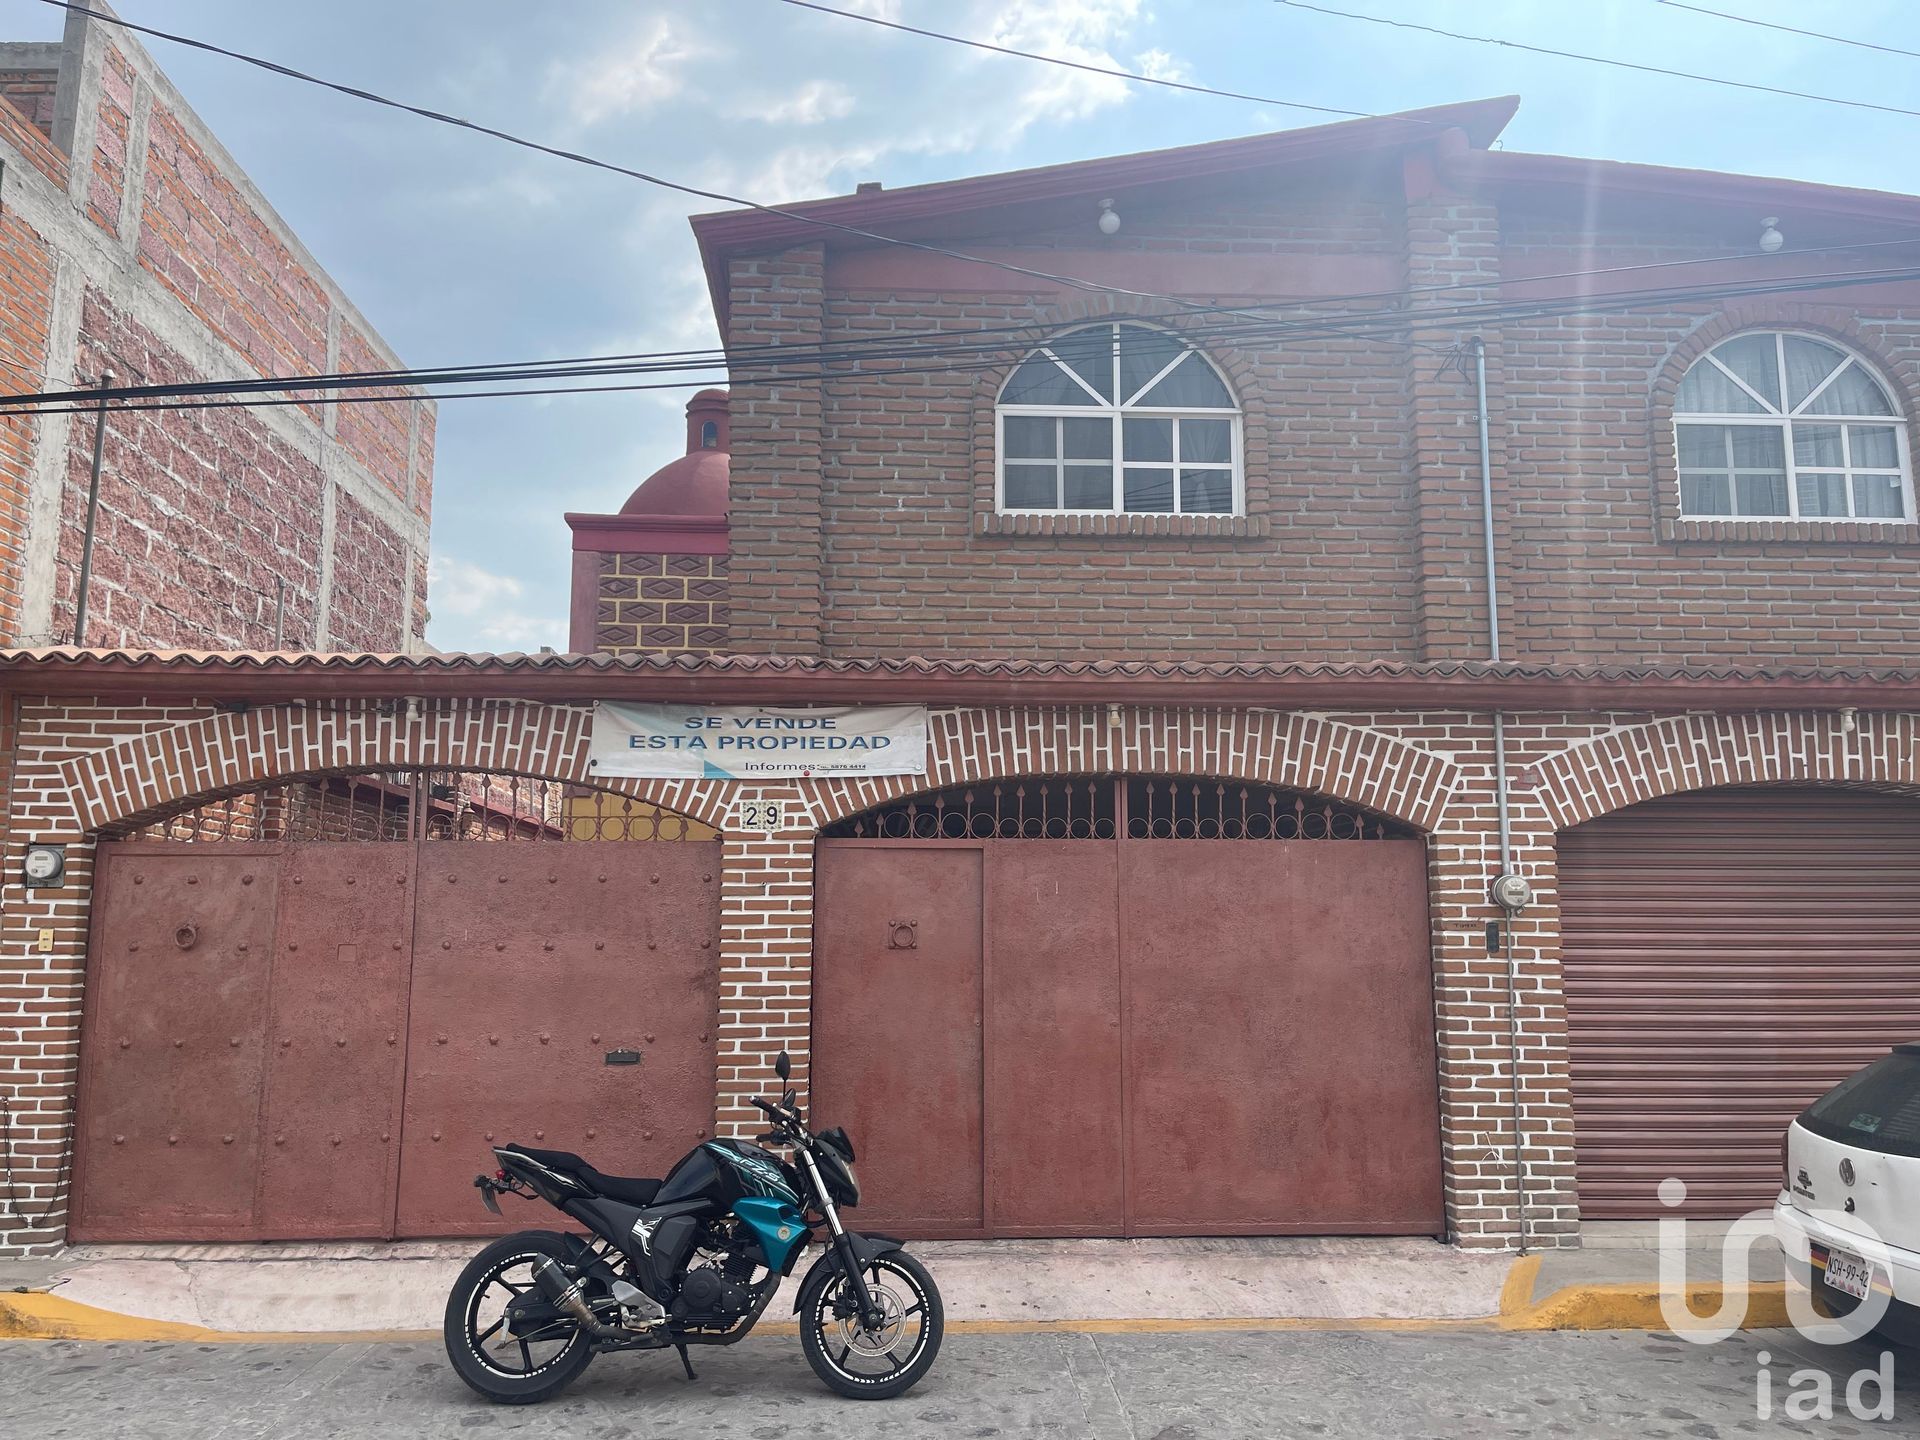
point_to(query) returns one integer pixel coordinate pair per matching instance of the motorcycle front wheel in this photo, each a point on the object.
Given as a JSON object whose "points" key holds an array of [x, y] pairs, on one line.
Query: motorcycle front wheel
{"points": [[873, 1364], [512, 1368]]}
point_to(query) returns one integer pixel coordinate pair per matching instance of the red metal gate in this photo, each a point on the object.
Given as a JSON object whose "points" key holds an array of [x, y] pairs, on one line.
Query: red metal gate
{"points": [[1160, 1034], [296, 1037]]}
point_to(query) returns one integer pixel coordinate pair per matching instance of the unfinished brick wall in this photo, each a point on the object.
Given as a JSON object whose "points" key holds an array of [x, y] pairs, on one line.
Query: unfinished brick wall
{"points": [[203, 514], [31, 92], [160, 262]]}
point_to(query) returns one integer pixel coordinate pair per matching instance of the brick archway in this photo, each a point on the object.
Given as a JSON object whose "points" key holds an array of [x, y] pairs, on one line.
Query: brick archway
{"points": [[1696, 752], [229, 751], [1291, 750]]}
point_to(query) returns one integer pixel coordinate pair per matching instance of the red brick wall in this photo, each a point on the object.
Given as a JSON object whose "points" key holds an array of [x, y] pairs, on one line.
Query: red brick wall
{"points": [[31, 92], [201, 513], [204, 513], [899, 530], [862, 509], [84, 765], [369, 580], [1600, 568]]}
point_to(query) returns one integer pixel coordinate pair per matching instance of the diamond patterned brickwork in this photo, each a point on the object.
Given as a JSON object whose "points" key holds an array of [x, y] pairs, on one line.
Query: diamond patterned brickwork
{"points": [[661, 603]]}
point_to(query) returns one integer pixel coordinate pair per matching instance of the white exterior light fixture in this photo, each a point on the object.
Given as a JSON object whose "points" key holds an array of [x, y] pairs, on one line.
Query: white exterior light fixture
{"points": [[1770, 237], [1109, 218]]}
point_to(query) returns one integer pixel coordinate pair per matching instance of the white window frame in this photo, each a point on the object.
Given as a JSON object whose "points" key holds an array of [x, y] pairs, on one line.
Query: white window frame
{"points": [[1116, 412], [1779, 418]]}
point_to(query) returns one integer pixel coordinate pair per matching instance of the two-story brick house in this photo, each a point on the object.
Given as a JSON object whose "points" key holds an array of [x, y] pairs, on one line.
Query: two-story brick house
{"points": [[1159, 481], [1238, 435]]}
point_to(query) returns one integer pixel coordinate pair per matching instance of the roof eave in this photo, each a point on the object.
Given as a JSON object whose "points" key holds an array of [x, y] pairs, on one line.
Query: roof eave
{"points": [[275, 679]]}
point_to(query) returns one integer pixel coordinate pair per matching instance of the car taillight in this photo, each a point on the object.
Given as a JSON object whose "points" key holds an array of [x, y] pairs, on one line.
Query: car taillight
{"points": [[1786, 1173]]}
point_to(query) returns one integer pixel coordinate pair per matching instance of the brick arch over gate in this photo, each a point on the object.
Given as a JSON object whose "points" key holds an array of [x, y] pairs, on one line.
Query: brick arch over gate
{"points": [[1291, 750], [228, 752], [1695, 752]]}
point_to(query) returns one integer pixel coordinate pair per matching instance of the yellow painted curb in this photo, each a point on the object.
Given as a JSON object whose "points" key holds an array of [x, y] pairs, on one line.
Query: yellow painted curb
{"points": [[40, 1316], [1637, 1307], [1517, 1293]]}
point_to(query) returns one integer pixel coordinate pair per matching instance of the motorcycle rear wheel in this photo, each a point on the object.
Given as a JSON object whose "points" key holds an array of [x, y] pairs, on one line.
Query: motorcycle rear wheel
{"points": [[506, 1369], [874, 1366]]}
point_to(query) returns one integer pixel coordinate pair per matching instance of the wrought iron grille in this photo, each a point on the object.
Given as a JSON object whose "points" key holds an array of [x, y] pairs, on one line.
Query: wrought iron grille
{"points": [[1106, 807], [428, 805]]}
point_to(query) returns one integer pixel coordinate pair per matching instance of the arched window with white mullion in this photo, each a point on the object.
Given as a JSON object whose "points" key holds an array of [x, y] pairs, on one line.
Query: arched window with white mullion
{"points": [[1777, 425], [1118, 418]]}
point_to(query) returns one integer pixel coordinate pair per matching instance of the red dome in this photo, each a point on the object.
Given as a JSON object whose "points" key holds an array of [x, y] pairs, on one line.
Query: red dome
{"points": [[695, 483]]}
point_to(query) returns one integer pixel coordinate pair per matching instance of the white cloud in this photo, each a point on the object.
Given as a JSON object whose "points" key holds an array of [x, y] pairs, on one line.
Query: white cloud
{"points": [[812, 104], [631, 75], [982, 102], [475, 609]]}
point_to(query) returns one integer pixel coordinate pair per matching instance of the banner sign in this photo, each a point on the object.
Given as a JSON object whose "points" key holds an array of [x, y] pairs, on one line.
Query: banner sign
{"points": [[758, 742]]}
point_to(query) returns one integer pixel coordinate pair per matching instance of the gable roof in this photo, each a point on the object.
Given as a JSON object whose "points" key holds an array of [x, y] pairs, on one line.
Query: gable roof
{"points": [[941, 208]]}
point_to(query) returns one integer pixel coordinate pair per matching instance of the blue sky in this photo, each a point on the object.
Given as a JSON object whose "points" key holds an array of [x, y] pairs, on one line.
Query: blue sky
{"points": [[461, 249]]}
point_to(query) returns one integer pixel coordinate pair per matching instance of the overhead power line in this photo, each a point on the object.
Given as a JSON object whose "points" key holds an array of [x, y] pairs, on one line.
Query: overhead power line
{"points": [[1130, 75], [1602, 60], [1385, 326], [1792, 29], [910, 344], [578, 158]]}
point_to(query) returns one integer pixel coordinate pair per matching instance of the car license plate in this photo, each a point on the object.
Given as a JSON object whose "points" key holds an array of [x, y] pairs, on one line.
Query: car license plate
{"points": [[1849, 1273]]}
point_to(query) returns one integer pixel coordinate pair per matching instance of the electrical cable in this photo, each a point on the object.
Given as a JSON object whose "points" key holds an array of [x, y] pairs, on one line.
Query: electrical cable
{"points": [[1790, 29], [906, 346], [578, 158], [1080, 65], [1386, 322], [355, 92], [1599, 60]]}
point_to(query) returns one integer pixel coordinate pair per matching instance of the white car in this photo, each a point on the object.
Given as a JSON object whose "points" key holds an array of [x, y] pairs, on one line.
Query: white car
{"points": [[1852, 1177]]}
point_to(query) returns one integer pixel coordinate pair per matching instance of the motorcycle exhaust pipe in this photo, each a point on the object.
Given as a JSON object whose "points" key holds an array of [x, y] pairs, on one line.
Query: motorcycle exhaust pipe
{"points": [[567, 1295]]}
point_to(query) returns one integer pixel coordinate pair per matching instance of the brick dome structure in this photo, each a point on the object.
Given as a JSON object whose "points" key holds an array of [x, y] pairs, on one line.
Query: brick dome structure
{"points": [[696, 482]]}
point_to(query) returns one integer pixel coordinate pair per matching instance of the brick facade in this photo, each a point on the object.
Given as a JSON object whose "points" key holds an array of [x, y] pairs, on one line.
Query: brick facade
{"points": [[82, 766], [867, 503], [131, 241]]}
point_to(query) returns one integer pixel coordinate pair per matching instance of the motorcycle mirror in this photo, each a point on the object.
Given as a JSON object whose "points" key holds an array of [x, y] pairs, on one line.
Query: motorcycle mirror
{"points": [[783, 1067]]}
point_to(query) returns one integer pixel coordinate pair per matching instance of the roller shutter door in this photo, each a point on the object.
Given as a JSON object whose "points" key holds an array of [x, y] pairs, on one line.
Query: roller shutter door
{"points": [[1729, 955]]}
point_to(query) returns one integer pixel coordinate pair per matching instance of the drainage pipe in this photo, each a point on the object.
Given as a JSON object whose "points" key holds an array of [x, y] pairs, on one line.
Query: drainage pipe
{"points": [[1500, 786]]}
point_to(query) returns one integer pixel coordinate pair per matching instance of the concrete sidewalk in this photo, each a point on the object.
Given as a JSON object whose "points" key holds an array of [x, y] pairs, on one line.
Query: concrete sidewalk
{"points": [[181, 1292], [359, 1287]]}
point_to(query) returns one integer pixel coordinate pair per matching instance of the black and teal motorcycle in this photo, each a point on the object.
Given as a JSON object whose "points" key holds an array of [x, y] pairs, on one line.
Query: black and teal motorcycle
{"points": [[690, 1260]]}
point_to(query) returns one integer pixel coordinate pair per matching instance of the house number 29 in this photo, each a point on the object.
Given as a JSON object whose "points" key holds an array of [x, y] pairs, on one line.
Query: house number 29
{"points": [[762, 816]]}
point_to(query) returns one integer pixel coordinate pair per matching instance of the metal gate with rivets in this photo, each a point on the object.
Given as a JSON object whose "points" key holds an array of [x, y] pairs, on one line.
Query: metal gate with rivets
{"points": [[311, 1009]]}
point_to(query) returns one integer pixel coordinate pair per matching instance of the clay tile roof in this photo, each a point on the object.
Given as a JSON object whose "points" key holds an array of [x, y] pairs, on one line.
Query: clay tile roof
{"points": [[1471, 685]]}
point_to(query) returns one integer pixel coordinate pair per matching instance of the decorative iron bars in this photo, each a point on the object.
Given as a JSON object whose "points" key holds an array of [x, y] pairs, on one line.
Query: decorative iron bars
{"points": [[1105, 807], [433, 805]]}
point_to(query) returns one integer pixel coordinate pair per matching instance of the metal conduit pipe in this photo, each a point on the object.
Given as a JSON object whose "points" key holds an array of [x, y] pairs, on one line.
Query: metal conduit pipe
{"points": [[1507, 890]]}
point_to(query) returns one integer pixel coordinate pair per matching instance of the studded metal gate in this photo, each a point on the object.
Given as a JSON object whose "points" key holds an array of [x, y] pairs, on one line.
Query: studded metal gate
{"points": [[1218, 1021], [311, 1007]]}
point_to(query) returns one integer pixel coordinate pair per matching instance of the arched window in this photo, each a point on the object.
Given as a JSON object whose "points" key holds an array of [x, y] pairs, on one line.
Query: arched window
{"points": [[1119, 419], [1781, 426]]}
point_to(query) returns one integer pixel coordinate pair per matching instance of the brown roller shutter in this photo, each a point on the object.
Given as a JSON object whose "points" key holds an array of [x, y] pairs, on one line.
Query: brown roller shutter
{"points": [[1729, 955]]}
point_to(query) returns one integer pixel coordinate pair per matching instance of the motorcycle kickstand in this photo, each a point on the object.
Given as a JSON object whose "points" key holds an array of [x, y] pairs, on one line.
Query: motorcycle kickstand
{"points": [[684, 1361]]}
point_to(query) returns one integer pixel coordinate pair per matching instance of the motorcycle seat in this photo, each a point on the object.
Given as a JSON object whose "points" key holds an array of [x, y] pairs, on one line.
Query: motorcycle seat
{"points": [[627, 1190]]}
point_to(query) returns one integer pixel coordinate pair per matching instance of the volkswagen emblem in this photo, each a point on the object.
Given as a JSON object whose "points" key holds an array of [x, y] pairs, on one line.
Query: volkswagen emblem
{"points": [[1846, 1172]]}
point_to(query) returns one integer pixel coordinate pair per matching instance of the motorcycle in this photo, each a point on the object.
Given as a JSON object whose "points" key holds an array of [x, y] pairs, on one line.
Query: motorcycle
{"points": [[692, 1259]]}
